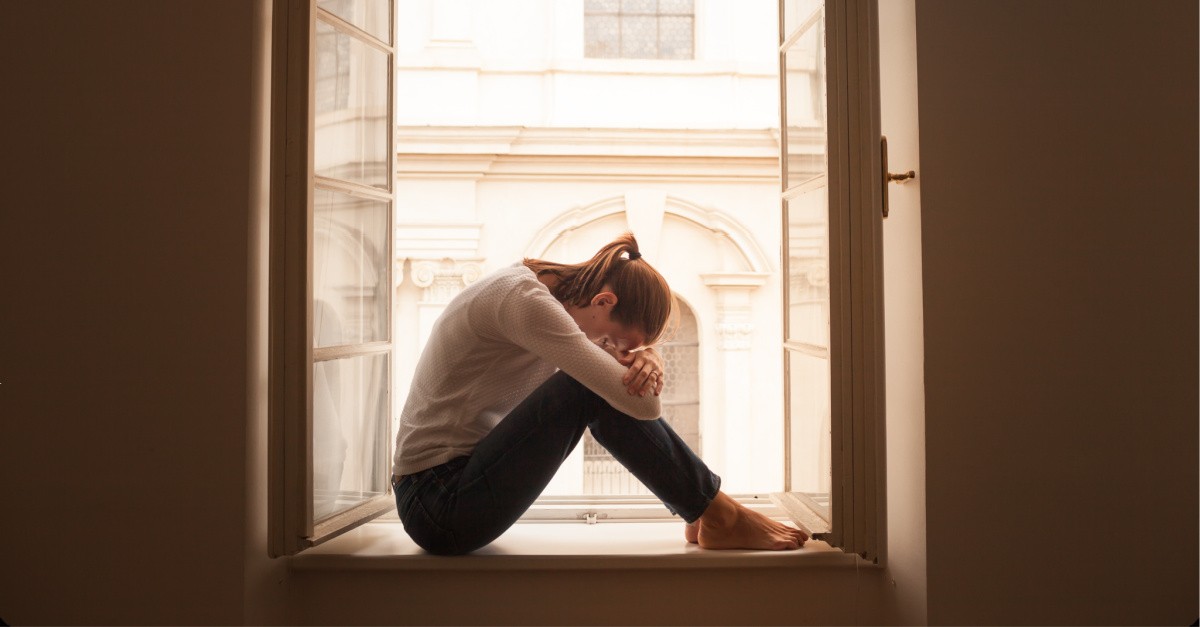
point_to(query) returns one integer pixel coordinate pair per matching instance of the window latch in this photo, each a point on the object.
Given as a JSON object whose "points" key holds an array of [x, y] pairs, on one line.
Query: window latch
{"points": [[888, 177], [592, 518]]}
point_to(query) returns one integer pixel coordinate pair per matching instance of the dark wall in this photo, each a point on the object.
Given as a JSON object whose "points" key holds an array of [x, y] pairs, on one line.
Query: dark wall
{"points": [[1059, 224], [127, 148]]}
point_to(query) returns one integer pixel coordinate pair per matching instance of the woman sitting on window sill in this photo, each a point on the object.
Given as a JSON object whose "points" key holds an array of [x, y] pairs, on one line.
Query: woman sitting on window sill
{"points": [[517, 366]]}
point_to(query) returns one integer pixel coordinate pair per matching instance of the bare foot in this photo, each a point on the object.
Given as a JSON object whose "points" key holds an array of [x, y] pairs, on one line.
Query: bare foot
{"points": [[691, 532], [727, 524]]}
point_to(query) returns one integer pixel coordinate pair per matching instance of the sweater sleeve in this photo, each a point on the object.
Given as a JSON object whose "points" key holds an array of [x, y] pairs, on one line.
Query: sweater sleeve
{"points": [[531, 318]]}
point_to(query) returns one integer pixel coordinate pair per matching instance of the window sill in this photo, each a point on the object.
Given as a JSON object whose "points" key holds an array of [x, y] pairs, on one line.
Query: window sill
{"points": [[383, 545]]}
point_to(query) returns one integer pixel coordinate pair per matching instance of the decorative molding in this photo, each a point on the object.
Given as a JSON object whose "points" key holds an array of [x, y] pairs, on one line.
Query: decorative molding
{"points": [[502, 141], [437, 240], [443, 279], [734, 290], [734, 336], [735, 279], [721, 224]]}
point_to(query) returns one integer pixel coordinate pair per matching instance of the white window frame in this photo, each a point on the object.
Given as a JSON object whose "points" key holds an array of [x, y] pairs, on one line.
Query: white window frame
{"points": [[856, 321], [291, 352], [855, 182]]}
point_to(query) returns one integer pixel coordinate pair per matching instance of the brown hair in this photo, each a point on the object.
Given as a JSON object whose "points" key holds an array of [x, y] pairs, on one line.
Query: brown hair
{"points": [[644, 299]]}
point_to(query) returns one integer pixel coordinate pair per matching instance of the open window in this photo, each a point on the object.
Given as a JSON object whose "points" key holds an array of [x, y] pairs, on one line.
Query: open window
{"points": [[833, 269], [363, 260], [331, 277]]}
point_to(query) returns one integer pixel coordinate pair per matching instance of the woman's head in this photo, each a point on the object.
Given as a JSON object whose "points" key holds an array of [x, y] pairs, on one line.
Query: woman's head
{"points": [[642, 297]]}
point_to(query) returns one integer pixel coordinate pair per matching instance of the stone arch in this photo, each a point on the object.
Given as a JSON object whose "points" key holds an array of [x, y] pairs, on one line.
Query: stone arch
{"points": [[645, 212]]}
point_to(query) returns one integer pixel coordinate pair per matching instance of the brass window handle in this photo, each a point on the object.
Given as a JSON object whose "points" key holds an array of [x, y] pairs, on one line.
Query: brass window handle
{"points": [[889, 177]]}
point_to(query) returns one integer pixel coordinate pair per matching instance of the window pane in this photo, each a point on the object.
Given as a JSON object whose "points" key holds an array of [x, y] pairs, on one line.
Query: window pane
{"points": [[809, 399], [805, 102], [351, 109], [639, 37], [602, 6], [351, 447], [604, 475], [643, 7], [675, 38], [808, 267], [675, 7], [373, 16], [602, 34], [350, 269], [796, 12]]}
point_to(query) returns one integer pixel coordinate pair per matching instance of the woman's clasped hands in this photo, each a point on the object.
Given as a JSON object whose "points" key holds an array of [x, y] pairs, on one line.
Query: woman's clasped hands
{"points": [[646, 374]]}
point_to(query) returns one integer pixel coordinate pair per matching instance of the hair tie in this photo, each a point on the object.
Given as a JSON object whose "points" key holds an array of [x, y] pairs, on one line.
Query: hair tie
{"points": [[634, 255]]}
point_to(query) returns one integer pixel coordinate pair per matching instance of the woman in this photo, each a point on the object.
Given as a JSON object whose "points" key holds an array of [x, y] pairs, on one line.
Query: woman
{"points": [[488, 419]]}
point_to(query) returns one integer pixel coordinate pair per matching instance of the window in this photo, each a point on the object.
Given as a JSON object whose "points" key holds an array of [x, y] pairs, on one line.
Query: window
{"points": [[639, 29], [603, 475], [331, 268], [361, 255], [833, 44]]}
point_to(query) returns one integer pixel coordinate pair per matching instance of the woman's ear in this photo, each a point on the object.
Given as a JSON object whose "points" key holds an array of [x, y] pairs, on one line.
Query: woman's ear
{"points": [[604, 299]]}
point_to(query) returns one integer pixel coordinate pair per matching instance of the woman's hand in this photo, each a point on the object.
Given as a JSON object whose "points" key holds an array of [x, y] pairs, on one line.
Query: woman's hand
{"points": [[645, 375]]}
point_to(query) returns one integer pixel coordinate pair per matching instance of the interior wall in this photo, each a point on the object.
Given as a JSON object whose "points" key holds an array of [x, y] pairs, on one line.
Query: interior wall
{"points": [[904, 589], [736, 596], [128, 139], [1059, 235]]}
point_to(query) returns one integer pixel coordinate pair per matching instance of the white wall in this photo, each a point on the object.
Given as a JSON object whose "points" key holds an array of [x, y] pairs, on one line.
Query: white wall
{"points": [[905, 582], [1059, 235], [520, 62], [504, 128]]}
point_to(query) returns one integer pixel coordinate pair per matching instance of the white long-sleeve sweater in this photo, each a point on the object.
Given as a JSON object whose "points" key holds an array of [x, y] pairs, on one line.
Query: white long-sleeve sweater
{"points": [[496, 342]]}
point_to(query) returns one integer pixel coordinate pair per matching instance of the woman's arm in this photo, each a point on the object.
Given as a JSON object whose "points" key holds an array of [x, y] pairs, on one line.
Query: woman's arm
{"points": [[531, 318]]}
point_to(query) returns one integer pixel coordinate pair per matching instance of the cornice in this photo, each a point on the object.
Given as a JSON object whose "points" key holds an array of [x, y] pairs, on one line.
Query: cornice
{"points": [[519, 140]]}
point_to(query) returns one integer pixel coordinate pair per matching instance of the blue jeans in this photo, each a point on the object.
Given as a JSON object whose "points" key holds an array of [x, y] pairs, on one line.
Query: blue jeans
{"points": [[467, 502]]}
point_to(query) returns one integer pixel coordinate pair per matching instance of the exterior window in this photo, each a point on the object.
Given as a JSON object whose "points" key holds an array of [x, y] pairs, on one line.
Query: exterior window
{"points": [[605, 476], [639, 29]]}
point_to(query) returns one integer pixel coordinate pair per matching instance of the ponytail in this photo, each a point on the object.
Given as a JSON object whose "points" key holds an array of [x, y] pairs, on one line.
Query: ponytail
{"points": [[644, 299]]}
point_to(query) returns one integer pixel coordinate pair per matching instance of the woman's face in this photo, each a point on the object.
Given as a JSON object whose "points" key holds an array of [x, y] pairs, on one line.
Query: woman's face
{"points": [[596, 322]]}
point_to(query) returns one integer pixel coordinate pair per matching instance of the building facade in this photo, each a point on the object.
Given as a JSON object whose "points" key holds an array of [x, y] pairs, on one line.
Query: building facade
{"points": [[543, 128]]}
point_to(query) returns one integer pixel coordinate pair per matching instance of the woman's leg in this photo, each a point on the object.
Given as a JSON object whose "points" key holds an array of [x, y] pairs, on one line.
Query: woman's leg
{"points": [[470, 501], [466, 503]]}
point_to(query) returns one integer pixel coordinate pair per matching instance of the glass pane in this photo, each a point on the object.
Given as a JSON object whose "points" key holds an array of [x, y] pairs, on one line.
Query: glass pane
{"points": [[373, 16], [641, 7], [809, 398], [603, 475], [351, 109], [808, 267], [639, 37], [602, 36], [675, 7], [797, 12], [602, 6], [675, 38], [351, 279], [805, 102], [351, 447]]}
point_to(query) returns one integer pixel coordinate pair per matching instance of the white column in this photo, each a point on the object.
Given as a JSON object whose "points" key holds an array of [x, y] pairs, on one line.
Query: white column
{"points": [[733, 423]]}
